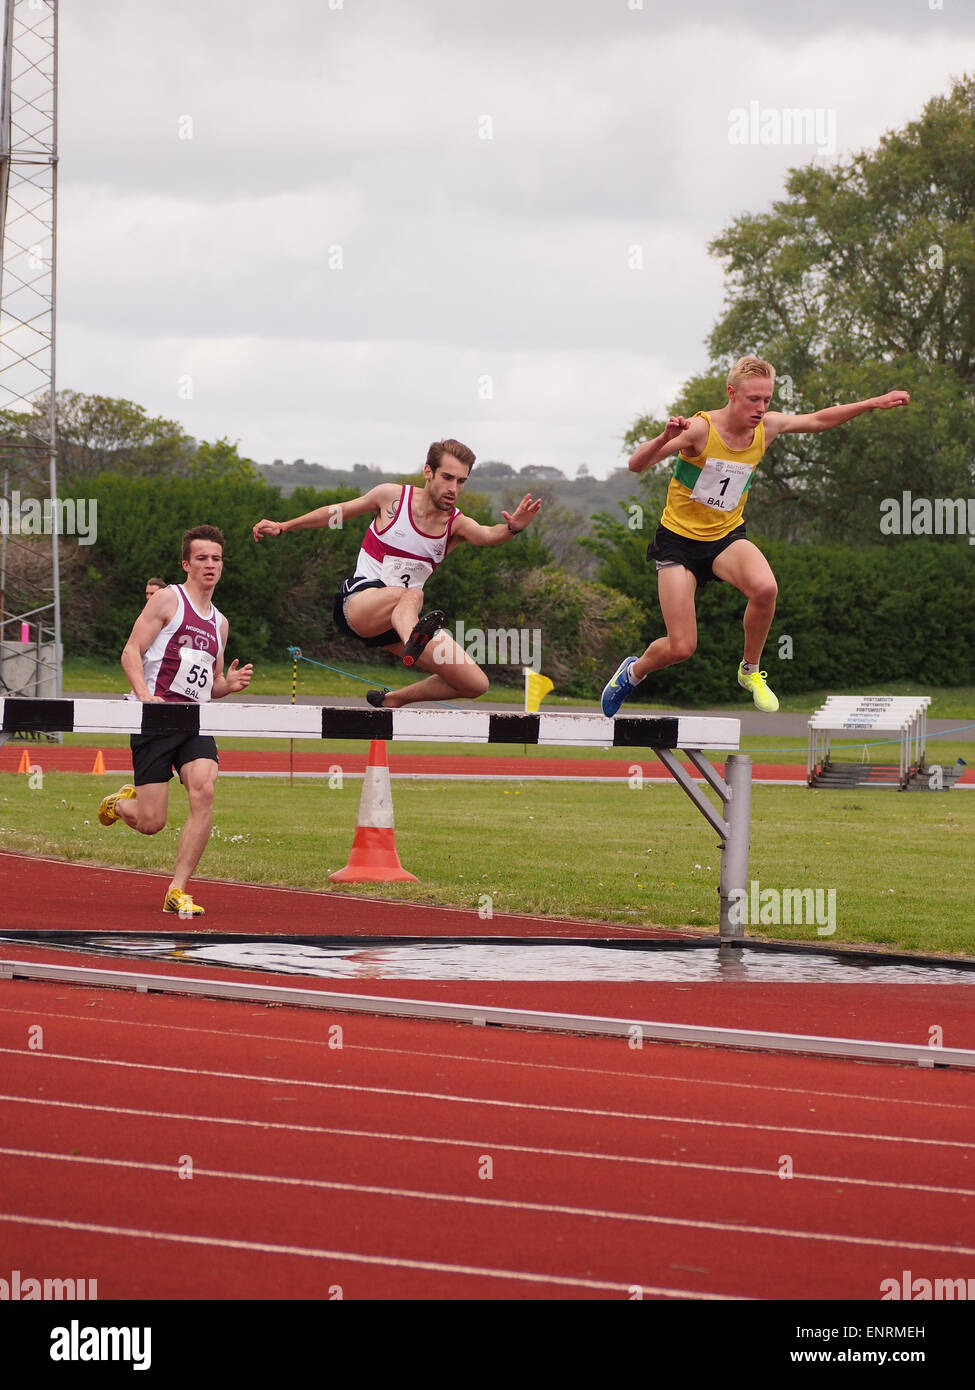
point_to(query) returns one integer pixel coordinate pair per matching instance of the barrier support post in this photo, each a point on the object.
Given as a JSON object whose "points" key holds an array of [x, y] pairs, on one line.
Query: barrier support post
{"points": [[733, 827], [735, 849]]}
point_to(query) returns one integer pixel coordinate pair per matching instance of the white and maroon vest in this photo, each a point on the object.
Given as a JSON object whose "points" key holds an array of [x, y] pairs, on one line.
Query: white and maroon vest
{"points": [[179, 664], [400, 554]]}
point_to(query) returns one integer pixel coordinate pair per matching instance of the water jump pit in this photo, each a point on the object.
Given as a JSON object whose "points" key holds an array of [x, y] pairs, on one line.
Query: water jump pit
{"points": [[503, 959]]}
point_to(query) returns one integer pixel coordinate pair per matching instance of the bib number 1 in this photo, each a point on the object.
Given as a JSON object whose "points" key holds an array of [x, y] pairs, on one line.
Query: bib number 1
{"points": [[721, 484]]}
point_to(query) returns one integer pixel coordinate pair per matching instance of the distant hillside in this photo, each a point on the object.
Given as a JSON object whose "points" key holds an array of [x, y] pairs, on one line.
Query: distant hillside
{"points": [[496, 481]]}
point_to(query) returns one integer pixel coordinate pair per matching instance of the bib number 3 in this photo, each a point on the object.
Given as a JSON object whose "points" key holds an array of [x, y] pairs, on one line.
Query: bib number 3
{"points": [[400, 572]]}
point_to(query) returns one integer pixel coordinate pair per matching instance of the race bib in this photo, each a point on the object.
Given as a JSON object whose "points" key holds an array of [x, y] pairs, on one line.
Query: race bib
{"points": [[401, 572], [721, 484], [194, 679]]}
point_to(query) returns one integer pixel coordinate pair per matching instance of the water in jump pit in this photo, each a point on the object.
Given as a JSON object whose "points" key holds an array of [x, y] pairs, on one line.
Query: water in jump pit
{"points": [[540, 961]]}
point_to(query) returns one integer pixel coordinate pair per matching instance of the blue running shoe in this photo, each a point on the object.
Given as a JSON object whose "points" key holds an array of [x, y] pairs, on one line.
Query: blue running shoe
{"points": [[618, 689]]}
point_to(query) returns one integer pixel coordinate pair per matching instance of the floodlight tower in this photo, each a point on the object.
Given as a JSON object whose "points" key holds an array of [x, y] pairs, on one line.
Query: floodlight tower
{"points": [[30, 608]]}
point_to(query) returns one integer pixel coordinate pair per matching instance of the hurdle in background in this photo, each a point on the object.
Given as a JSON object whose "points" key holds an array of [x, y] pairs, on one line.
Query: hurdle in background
{"points": [[662, 735], [903, 715]]}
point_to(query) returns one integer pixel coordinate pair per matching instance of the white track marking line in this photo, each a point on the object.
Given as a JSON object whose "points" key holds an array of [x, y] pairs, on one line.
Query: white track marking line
{"points": [[588, 1155], [157, 1028], [387, 1261], [500, 1203], [479, 1100]]}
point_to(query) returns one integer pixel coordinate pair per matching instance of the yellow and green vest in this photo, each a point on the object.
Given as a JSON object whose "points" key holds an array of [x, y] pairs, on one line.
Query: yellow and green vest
{"points": [[707, 494]]}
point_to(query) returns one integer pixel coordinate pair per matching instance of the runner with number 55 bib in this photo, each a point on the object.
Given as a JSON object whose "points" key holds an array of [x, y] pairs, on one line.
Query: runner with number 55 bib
{"points": [[701, 535], [175, 655]]}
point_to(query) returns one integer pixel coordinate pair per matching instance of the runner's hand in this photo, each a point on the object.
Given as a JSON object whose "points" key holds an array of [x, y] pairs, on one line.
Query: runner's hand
{"points": [[238, 677], [675, 425], [891, 399], [266, 528], [523, 514]]}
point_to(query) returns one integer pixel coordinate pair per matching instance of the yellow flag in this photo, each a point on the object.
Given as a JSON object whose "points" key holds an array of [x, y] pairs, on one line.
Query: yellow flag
{"points": [[536, 688]]}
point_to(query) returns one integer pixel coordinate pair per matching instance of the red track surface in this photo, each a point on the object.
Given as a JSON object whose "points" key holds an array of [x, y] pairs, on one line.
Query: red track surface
{"points": [[431, 1160], [54, 758]]}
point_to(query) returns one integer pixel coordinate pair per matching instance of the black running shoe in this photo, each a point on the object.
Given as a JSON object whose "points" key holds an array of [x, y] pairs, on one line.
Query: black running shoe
{"points": [[376, 697], [420, 636]]}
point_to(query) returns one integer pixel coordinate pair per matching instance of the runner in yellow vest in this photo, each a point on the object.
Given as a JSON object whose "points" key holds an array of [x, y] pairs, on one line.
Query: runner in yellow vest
{"points": [[701, 535]]}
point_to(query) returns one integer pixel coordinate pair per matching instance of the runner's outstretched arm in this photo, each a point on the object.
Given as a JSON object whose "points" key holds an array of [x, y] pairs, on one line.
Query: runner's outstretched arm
{"points": [[830, 417], [333, 514]]}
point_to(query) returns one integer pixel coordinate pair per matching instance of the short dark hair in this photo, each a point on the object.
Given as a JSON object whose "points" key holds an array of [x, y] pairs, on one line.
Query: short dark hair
{"points": [[201, 533], [157, 583], [453, 447]]}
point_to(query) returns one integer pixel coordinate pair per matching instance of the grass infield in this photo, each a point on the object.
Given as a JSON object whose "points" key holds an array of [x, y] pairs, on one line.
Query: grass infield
{"points": [[898, 862]]}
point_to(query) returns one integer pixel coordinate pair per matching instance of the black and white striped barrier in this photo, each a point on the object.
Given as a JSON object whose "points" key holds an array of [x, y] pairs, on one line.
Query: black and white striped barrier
{"points": [[663, 735]]}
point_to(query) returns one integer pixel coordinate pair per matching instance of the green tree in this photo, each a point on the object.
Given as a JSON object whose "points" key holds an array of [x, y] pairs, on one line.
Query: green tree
{"points": [[97, 434], [861, 279], [221, 460]]}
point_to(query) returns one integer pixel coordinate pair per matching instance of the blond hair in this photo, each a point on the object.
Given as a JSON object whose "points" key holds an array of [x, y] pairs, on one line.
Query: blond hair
{"points": [[747, 367]]}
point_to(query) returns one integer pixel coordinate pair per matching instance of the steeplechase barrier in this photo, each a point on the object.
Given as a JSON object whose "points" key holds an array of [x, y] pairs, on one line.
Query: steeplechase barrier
{"points": [[663, 736]]}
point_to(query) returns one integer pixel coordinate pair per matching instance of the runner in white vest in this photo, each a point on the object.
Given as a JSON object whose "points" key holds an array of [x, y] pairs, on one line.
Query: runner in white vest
{"points": [[411, 533], [175, 655]]}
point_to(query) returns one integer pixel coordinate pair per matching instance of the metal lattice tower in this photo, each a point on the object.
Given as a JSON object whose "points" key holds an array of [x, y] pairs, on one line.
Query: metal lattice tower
{"points": [[30, 609]]}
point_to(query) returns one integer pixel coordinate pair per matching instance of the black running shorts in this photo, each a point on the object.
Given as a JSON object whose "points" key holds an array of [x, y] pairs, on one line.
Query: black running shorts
{"points": [[156, 756], [668, 548], [353, 586]]}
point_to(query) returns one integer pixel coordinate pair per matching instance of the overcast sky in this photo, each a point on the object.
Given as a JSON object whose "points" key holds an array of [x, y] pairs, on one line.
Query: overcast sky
{"points": [[340, 229]]}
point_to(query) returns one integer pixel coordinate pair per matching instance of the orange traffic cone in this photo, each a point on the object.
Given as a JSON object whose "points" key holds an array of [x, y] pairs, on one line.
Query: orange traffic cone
{"points": [[374, 858], [99, 763], [24, 762]]}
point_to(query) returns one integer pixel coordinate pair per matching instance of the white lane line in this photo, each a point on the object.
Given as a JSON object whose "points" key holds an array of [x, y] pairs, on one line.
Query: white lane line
{"points": [[350, 1257], [500, 1203], [462, 1057], [184, 1072], [539, 1151]]}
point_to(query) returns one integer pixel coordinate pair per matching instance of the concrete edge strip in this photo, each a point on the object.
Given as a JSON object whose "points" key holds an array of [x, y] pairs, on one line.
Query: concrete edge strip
{"points": [[914, 1054]]}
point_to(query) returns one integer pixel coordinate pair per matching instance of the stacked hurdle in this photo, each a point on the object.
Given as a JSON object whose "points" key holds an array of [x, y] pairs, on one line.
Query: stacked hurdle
{"points": [[693, 734], [905, 717]]}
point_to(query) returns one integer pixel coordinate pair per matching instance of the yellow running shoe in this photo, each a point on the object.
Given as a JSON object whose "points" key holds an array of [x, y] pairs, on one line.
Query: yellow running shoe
{"points": [[180, 902], [759, 691], [107, 813]]}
